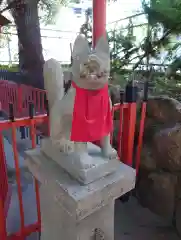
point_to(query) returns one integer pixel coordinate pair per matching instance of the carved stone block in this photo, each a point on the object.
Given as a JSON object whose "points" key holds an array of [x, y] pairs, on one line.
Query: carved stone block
{"points": [[71, 211]]}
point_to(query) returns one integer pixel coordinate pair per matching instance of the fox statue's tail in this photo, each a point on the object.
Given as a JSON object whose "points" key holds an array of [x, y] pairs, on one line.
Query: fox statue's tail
{"points": [[53, 81]]}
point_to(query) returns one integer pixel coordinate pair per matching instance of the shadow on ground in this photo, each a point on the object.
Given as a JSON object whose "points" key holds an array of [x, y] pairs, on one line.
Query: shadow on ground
{"points": [[133, 222]]}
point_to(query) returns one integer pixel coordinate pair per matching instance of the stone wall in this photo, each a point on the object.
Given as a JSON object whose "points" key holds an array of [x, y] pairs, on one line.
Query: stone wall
{"points": [[159, 180]]}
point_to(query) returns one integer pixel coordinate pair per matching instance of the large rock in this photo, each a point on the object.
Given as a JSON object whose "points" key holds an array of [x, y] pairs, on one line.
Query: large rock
{"points": [[147, 161], [162, 112], [159, 179], [178, 187], [164, 109], [178, 217], [114, 91], [115, 133], [151, 128], [157, 192], [147, 164], [167, 148]]}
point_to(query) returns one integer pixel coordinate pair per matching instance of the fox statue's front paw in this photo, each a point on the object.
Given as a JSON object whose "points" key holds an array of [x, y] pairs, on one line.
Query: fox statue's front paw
{"points": [[109, 152], [68, 147], [65, 146]]}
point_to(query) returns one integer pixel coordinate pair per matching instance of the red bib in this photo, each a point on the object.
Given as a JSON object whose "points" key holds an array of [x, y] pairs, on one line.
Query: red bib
{"points": [[92, 118]]}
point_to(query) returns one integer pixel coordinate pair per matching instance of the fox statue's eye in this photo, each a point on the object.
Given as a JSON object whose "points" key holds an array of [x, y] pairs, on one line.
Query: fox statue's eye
{"points": [[100, 75]]}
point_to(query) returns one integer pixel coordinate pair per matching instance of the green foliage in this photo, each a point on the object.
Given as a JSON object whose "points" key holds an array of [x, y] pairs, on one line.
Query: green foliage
{"points": [[10, 68], [122, 48], [166, 12], [168, 87], [50, 9], [164, 25], [165, 17]]}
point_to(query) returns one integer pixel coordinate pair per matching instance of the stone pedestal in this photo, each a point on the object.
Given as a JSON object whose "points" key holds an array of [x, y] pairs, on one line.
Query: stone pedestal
{"points": [[71, 210], [85, 168]]}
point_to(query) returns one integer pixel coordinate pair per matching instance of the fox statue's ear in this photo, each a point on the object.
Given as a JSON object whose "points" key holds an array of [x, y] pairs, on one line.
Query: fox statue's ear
{"points": [[102, 46], [81, 48], [102, 51]]}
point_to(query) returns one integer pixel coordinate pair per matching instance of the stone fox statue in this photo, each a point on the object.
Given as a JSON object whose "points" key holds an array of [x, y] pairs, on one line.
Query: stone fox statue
{"points": [[83, 114]]}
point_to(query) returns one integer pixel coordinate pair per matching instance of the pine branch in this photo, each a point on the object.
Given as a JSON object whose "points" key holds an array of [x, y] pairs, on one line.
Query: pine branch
{"points": [[154, 44]]}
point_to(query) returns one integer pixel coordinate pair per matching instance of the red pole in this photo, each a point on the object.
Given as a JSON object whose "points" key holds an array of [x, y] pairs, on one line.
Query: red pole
{"points": [[99, 25], [99, 20]]}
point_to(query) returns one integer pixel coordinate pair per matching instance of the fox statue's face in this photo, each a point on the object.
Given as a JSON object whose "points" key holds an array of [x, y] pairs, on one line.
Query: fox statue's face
{"points": [[90, 69]]}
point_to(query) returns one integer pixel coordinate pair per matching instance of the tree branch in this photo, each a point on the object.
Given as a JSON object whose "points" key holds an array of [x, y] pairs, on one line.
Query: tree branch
{"points": [[154, 44]]}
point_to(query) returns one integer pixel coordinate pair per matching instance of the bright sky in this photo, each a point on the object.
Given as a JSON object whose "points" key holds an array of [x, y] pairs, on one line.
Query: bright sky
{"points": [[57, 44], [67, 21]]}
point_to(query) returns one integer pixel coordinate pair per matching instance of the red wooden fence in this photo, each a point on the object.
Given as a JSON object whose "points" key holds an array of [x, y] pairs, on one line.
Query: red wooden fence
{"points": [[21, 97], [4, 187]]}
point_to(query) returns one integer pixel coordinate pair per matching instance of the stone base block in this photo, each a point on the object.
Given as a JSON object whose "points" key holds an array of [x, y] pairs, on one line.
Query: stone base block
{"points": [[58, 224], [71, 211], [76, 165]]}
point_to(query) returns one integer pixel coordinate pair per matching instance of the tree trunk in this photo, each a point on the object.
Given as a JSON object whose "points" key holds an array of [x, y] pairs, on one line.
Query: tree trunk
{"points": [[30, 48]]}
